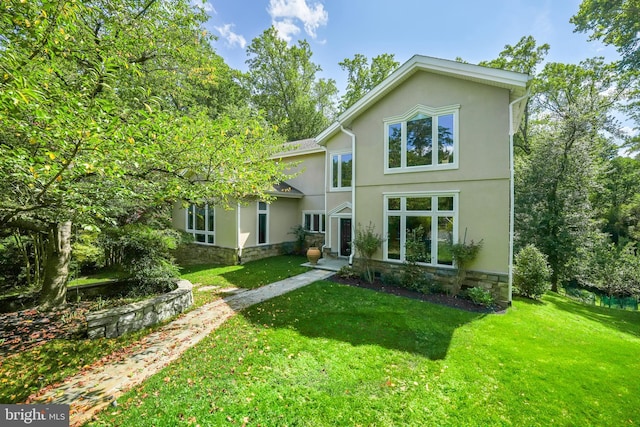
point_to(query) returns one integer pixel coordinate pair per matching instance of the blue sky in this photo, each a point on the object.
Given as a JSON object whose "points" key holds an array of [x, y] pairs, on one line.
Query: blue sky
{"points": [[338, 29]]}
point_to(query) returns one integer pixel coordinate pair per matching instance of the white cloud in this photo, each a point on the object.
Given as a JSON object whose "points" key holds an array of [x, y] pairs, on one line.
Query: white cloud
{"points": [[204, 5], [230, 37], [284, 13]]}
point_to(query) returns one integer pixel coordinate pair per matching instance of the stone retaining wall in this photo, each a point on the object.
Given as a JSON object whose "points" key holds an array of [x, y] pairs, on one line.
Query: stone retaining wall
{"points": [[117, 321]]}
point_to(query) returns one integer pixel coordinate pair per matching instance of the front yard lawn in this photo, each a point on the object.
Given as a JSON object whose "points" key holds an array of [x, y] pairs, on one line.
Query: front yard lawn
{"points": [[28, 371], [330, 354]]}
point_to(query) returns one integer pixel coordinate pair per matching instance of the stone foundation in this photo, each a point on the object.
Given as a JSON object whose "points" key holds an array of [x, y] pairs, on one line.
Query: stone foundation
{"points": [[497, 284], [192, 254], [117, 321]]}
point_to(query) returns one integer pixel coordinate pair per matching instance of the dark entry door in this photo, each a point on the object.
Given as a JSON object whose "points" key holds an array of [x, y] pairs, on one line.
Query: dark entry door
{"points": [[345, 236]]}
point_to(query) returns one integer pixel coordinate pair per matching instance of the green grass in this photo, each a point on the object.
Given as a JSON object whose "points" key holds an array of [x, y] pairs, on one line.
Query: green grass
{"points": [[328, 355], [25, 373], [250, 275]]}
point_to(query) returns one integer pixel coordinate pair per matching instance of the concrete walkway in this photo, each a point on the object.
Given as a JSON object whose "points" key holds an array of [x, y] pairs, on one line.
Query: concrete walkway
{"points": [[92, 390]]}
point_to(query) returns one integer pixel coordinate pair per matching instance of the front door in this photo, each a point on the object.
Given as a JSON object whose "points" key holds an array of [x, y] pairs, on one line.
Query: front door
{"points": [[345, 236]]}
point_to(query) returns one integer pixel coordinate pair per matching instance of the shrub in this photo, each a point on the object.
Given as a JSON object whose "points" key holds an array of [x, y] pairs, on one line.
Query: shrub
{"points": [[390, 279], [367, 242], [481, 297], [347, 272], [531, 273], [463, 254], [301, 235]]}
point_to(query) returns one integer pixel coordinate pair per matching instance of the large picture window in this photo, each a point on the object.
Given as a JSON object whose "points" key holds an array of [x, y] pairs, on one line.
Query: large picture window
{"points": [[201, 223], [341, 167], [263, 223], [313, 222], [422, 225], [424, 138]]}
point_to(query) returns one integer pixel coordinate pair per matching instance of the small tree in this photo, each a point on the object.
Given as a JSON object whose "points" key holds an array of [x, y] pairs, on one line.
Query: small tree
{"points": [[415, 252], [463, 255], [531, 273], [367, 242]]}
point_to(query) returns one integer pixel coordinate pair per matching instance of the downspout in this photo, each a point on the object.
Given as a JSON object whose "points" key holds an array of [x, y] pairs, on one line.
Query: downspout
{"points": [[512, 192], [327, 233], [353, 189], [239, 250]]}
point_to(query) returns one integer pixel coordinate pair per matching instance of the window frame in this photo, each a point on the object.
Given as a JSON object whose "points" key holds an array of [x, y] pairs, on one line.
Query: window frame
{"points": [[322, 221], [434, 213], [434, 113], [340, 187], [264, 212], [209, 212]]}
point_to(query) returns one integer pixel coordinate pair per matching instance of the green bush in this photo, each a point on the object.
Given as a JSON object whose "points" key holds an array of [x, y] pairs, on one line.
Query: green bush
{"points": [[347, 272], [142, 252], [481, 297], [531, 273], [367, 242]]}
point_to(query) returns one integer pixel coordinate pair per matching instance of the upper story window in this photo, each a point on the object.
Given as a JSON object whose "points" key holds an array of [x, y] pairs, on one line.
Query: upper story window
{"points": [[314, 222], [201, 223], [341, 167], [423, 139]]}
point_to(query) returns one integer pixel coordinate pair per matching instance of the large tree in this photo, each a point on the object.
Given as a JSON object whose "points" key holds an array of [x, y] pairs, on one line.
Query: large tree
{"points": [[98, 105], [283, 83], [523, 57], [362, 76], [570, 142], [614, 22]]}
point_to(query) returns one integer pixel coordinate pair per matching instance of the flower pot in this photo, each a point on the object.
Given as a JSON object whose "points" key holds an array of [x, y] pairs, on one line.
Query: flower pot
{"points": [[313, 255]]}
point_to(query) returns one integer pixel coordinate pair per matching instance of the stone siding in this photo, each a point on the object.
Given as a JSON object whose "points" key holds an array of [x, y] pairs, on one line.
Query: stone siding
{"points": [[117, 321], [496, 283], [192, 254]]}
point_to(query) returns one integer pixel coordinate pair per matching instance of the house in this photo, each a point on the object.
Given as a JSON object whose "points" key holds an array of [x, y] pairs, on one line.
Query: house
{"points": [[254, 229], [430, 146]]}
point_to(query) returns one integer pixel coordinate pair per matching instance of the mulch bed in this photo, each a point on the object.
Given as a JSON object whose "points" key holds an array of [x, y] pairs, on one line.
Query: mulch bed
{"points": [[441, 299], [23, 330]]}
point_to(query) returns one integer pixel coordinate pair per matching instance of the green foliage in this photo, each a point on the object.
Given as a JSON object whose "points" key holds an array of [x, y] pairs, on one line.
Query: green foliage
{"points": [[347, 272], [413, 276], [301, 235], [367, 241], [362, 76], [463, 255], [143, 253], [117, 106], [531, 272], [481, 297], [613, 268], [614, 22], [283, 84]]}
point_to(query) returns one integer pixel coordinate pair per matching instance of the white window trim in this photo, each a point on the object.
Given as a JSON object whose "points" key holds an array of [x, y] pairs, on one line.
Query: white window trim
{"points": [[339, 154], [402, 119], [266, 234], [403, 213], [321, 213], [204, 232]]}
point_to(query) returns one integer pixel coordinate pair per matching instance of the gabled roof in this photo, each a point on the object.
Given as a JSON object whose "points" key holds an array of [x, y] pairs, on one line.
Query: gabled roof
{"points": [[298, 148], [515, 82], [283, 189]]}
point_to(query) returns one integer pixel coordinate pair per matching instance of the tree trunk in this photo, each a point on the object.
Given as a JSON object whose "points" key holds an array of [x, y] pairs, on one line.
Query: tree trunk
{"points": [[56, 269]]}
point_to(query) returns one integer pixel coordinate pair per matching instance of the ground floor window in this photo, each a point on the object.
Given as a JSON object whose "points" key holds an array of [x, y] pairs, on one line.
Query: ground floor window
{"points": [[263, 223], [313, 221], [422, 226], [201, 223]]}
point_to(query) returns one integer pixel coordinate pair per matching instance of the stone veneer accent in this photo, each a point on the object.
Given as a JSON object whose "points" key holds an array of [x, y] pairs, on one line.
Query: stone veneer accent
{"points": [[117, 321], [496, 283]]}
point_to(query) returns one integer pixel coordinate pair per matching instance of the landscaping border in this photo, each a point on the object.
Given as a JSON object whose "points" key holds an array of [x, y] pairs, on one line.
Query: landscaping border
{"points": [[113, 322]]}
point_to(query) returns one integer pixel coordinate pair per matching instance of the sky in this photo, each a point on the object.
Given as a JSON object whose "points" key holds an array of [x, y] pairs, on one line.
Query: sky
{"points": [[337, 29]]}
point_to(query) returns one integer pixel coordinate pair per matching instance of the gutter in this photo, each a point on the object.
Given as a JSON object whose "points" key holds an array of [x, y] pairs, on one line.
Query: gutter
{"points": [[512, 192], [353, 189], [327, 233], [238, 230]]}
